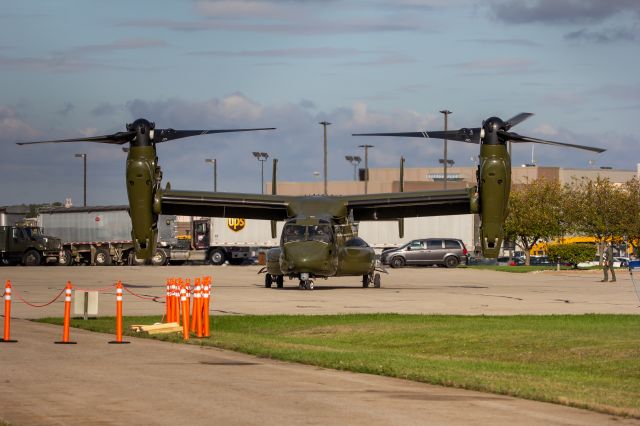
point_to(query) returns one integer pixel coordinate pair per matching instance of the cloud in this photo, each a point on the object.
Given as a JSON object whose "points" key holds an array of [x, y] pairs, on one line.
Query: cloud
{"points": [[609, 35], [118, 45], [495, 66], [301, 52], [387, 59], [56, 64], [561, 11], [503, 42], [104, 109], [13, 128], [66, 109]]}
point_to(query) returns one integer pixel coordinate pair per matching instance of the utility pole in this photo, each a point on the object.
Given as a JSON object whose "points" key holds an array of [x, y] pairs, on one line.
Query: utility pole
{"points": [[325, 124], [354, 160], [84, 158], [446, 113], [262, 157], [366, 166], [214, 161]]}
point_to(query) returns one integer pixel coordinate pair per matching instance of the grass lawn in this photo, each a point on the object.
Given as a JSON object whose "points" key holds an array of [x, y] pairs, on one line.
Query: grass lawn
{"points": [[588, 361]]}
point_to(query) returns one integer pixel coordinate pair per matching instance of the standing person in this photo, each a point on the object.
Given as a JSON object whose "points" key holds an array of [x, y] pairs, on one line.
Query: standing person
{"points": [[607, 263]]}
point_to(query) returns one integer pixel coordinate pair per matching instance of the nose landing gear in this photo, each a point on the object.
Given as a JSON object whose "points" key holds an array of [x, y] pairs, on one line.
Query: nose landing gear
{"points": [[306, 284]]}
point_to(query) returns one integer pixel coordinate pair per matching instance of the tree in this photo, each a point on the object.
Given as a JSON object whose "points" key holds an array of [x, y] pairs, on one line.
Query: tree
{"points": [[597, 209], [631, 212], [535, 214]]}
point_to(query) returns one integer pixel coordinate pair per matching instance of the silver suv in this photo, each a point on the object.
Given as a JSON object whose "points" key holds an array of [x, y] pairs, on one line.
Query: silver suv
{"points": [[430, 251]]}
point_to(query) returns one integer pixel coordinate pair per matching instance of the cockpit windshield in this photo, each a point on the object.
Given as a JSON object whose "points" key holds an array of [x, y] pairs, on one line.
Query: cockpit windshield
{"points": [[320, 233], [292, 233], [33, 232]]}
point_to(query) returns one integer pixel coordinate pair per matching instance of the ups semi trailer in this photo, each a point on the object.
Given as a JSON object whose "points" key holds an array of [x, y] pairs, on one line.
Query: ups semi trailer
{"points": [[216, 240]]}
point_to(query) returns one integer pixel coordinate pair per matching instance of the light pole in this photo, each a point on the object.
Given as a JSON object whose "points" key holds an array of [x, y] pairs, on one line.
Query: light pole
{"points": [[446, 163], [354, 160], [84, 158], [262, 157], [446, 113], [366, 166], [325, 124], [214, 161]]}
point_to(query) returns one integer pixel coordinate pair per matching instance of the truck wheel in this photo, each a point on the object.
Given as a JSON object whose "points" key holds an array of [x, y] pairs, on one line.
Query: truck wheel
{"points": [[268, 280], [451, 261], [280, 281], [217, 257], [103, 258], [66, 258], [159, 258], [31, 258], [397, 262]]}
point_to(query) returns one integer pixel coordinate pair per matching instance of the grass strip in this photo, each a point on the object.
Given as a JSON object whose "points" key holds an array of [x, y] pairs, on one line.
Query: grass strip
{"points": [[586, 361]]}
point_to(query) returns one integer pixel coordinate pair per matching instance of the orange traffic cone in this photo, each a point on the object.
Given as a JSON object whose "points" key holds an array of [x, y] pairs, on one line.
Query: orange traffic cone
{"points": [[185, 313], [118, 315], [7, 314], [205, 308], [67, 316]]}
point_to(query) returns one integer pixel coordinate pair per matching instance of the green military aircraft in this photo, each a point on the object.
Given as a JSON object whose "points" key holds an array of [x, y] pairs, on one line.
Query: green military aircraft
{"points": [[319, 238]]}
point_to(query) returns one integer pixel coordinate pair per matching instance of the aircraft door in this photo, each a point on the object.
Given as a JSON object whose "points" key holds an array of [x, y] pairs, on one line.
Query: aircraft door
{"points": [[201, 233]]}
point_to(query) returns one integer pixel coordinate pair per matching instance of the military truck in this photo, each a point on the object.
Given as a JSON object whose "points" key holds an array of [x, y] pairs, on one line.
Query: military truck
{"points": [[28, 245]]}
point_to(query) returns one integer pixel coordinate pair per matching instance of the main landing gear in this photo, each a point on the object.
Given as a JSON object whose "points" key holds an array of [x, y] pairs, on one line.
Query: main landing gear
{"points": [[269, 279], [371, 278]]}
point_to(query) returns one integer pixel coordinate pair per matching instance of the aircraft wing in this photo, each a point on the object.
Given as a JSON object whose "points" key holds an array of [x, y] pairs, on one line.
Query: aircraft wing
{"points": [[225, 204], [409, 204]]}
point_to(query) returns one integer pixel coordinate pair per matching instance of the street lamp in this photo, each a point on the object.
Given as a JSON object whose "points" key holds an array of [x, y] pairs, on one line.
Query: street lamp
{"points": [[262, 157], [325, 124], [446, 113], [84, 158], [366, 166], [354, 160], [214, 161]]}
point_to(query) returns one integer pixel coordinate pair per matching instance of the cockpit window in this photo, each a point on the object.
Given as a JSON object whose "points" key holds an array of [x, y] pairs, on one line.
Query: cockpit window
{"points": [[320, 233], [293, 233], [32, 232]]}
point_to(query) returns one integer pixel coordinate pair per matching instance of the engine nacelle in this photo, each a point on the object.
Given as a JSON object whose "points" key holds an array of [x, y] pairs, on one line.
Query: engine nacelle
{"points": [[143, 189], [494, 182]]}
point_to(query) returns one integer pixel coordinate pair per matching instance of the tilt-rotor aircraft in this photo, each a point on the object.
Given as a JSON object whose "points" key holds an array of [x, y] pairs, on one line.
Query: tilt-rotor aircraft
{"points": [[319, 238]]}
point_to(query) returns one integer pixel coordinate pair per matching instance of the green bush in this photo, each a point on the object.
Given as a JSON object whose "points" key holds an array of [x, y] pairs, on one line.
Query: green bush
{"points": [[572, 253]]}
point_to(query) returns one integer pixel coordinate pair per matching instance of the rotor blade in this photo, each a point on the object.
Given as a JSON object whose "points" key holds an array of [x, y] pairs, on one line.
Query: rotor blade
{"points": [[514, 137], [463, 135], [116, 138], [163, 135], [513, 121]]}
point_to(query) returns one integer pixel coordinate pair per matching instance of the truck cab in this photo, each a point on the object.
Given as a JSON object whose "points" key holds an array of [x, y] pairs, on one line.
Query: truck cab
{"points": [[28, 245]]}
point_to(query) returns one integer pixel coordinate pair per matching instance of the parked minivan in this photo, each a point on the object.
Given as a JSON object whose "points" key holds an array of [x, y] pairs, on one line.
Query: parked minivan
{"points": [[429, 251]]}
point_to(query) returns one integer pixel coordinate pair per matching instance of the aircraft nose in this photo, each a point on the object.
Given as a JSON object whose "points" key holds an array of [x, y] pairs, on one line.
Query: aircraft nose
{"points": [[307, 256]]}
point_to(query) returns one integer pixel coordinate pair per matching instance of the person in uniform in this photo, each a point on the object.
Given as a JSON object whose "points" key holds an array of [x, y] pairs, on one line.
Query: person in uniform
{"points": [[607, 263]]}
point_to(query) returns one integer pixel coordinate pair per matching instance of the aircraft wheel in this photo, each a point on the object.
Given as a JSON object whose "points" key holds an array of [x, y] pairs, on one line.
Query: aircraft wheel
{"points": [[365, 281], [159, 258], [302, 285], [309, 285], [397, 262], [280, 281], [451, 261], [376, 280], [268, 280], [103, 258]]}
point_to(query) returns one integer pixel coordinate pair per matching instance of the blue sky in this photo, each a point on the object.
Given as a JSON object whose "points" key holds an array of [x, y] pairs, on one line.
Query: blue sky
{"points": [[87, 67]]}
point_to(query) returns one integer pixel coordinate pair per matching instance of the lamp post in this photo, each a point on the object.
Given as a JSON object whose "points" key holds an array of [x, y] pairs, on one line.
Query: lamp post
{"points": [[354, 160], [447, 163], [262, 157], [84, 158], [214, 161], [446, 113], [366, 166], [325, 124]]}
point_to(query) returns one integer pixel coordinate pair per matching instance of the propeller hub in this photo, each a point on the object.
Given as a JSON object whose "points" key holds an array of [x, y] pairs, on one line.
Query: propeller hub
{"points": [[144, 132], [493, 124]]}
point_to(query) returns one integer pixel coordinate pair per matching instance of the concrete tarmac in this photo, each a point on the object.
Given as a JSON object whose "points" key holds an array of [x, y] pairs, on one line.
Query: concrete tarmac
{"points": [[150, 382]]}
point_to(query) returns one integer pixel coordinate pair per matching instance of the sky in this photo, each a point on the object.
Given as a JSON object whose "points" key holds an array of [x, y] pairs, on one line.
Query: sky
{"points": [[87, 67]]}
